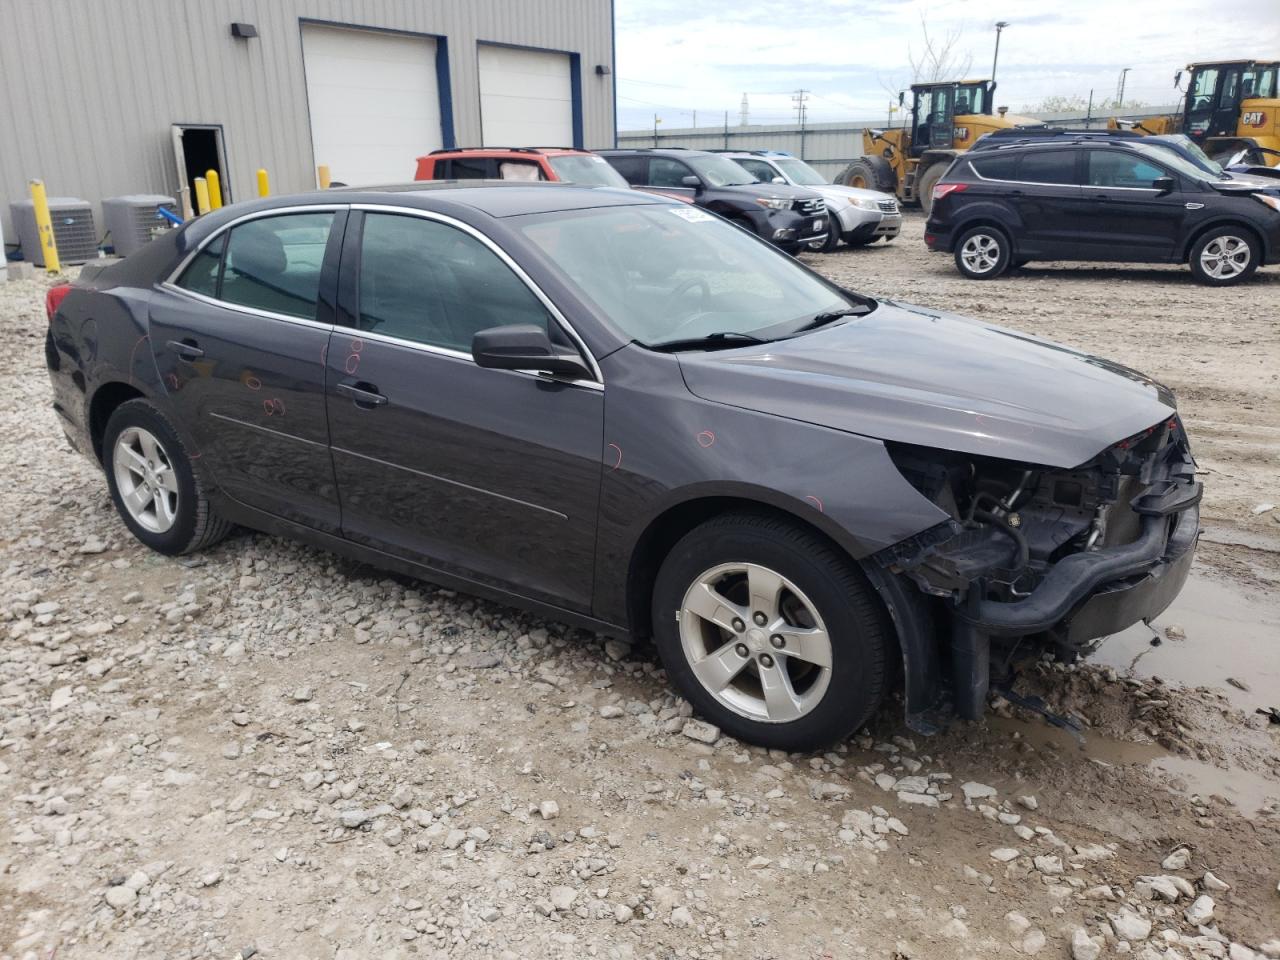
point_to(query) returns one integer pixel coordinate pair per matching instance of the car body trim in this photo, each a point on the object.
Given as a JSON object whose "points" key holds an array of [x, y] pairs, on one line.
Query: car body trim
{"points": [[242, 308], [257, 426], [1038, 183], [452, 483]]}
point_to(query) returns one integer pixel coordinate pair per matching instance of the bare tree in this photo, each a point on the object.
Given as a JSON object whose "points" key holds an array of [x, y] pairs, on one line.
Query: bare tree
{"points": [[941, 58]]}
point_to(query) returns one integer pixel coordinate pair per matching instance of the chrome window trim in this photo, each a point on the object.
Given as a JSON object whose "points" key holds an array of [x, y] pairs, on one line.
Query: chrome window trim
{"points": [[514, 267], [241, 308], [1025, 183]]}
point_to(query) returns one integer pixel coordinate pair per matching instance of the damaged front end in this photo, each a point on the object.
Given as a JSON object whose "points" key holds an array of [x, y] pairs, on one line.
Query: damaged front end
{"points": [[1037, 558]]}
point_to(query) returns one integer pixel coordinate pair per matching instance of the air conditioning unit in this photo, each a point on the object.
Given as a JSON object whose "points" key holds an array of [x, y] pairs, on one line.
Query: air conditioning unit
{"points": [[73, 230], [134, 220]]}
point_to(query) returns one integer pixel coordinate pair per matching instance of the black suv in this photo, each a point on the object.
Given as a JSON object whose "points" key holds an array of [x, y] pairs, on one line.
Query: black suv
{"points": [[1094, 198], [788, 216]]}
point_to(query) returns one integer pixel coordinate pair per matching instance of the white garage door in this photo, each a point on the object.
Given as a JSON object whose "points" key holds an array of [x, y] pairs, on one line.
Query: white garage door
{"points": [[374, 102], [526, 98]]}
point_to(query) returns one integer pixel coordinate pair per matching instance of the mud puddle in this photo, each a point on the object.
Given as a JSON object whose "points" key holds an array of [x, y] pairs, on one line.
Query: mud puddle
{"points": [[1248, 792], [1230, 635]]}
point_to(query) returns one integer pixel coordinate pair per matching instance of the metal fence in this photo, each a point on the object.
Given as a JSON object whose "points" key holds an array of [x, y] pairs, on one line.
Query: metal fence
{"points": [[827, 147]]}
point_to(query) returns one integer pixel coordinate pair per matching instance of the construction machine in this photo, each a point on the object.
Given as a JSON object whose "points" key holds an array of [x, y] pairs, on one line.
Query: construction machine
{"points": [[945, 120], [1230, 107]]}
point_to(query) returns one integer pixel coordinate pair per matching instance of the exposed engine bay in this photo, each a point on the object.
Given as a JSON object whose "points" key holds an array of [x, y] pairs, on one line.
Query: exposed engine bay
{"points": [[1035, 558]]}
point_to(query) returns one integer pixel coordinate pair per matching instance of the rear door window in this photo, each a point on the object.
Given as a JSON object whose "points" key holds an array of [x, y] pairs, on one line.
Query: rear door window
{"points": [[204, 272], [470, 168], [996, 167], [1048, 166], [273, 263], [633, 169], [519, 170], [758, 169]]}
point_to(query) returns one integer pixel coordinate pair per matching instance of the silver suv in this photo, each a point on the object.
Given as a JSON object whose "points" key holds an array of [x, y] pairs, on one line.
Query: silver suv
{"points": [[858, 216]]}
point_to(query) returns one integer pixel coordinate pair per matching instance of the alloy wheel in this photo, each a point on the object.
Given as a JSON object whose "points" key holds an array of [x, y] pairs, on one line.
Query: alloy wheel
{"points": [[755, 642], [980, 253], [1225, 257], [145, 479]]}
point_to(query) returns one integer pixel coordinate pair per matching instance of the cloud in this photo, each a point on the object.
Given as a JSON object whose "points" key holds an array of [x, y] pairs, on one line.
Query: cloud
{"points": [[675, 57]]}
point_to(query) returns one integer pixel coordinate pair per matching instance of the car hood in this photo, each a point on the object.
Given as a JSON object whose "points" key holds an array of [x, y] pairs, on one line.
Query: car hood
{"points": [[1247, 183], [843, 195], [917, 376], [773, 190]]}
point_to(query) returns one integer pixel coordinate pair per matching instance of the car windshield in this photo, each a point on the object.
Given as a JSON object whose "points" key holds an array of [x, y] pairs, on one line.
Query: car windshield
{"points": [[801, 173], [664, 273], [720, 171], [1171, 158], [587, 168], [1199, 157]]}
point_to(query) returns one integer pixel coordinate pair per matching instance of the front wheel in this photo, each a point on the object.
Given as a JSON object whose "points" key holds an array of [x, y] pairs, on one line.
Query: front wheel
{"points": [[982, 253], [833, 237], [1223, 256], [153, 484], [770, 633]]}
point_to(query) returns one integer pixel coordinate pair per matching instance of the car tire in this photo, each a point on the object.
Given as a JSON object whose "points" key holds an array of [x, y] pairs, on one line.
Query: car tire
{"points": [[868, 173], [924, 186], [818, 602], [1223, 256], [983, 253], [153, 483], [833, 237]]}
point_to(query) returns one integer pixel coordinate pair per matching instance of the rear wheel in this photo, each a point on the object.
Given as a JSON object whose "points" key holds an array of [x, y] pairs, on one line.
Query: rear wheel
{"points": [[770, 633], [1223, 256], [868, 173], [153, 485], [926, 183], [982, 253]]}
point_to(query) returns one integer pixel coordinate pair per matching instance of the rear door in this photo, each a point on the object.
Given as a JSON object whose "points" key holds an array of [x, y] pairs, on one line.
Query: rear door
{"points": [[489, 475], [1128, 218], [1046, 199], [239, 339]]}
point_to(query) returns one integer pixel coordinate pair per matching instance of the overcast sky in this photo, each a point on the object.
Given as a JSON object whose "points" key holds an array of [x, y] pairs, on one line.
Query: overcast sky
{"points": [[676, 56]]}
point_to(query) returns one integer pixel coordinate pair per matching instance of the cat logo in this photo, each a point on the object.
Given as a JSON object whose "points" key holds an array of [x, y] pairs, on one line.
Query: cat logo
{"points": [[1253, 118], [961, 133]]}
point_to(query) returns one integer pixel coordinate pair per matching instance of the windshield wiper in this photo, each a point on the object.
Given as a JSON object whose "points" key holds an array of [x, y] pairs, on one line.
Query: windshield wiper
{"points": [[721, 338], [822, 319]]}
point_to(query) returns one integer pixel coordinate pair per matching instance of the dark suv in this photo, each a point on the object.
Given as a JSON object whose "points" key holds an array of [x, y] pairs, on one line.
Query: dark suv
{"points": [[1102, 199], [788, 216]]}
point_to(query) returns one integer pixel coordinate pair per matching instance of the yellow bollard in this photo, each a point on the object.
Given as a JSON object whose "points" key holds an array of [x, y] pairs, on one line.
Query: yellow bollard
{"points": [[215, 189], [44, 226], [202, 196], [322, 176], [264, 184]]}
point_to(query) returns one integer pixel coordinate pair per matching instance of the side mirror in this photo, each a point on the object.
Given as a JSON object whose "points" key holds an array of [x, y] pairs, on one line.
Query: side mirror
{"points": [[778, 180], [525, 346], [1164, 184], [691, 181]]}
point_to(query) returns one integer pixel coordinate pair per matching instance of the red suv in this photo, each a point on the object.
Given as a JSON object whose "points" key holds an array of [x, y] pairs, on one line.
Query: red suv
{"points": [[529, 163]]}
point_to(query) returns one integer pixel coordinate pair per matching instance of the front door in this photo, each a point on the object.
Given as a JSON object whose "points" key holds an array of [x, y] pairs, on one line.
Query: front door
{"points": [[1129, 218], [490, 475], [239, 340]]}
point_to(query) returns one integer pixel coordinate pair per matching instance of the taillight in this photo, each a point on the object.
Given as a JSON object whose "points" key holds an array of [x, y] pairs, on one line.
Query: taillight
{"points": [[53, 299], [940, 190]]}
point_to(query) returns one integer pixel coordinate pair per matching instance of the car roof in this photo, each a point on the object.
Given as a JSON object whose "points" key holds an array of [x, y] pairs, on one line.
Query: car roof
{"points": [[503, 151], [661, 151], [494, 198]]}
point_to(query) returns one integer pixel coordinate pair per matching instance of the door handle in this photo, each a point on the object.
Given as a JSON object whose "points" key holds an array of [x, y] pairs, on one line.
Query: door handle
{"points": [[362, 394], [186, 349]]}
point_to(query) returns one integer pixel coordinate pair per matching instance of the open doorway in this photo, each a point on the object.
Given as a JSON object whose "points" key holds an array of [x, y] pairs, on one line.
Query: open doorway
{"points": [[197, 149]]}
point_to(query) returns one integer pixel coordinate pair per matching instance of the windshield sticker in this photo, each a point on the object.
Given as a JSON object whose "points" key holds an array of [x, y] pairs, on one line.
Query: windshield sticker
{"points": [[692, 214]]}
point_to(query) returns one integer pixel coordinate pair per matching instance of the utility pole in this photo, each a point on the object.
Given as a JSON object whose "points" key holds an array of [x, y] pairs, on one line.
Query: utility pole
{"points": [[1088, 117], [656, 120], [1000, 25], [744, 112], [799, 98], [1120, 89], [695, 119], [726, 129]]}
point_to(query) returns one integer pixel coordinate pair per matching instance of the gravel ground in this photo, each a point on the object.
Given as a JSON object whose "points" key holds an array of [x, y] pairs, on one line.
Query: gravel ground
{"points": [[266, 748]]}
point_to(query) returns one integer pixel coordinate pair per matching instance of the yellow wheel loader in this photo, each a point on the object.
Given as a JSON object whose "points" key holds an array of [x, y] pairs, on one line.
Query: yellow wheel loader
{"points": [[946, 118], [1231, 107]]}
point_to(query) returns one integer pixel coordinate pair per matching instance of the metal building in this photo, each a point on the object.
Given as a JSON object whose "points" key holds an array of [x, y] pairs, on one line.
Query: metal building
{"points": [[101, 98]]}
